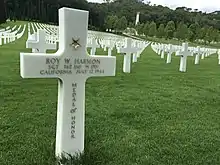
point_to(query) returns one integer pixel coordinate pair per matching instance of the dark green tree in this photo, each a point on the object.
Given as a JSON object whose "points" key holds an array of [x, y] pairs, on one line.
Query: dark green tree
{"points": [[152, 29], [182, 31], [2, 11], [170, 29], [47, 11], [116, 22], [122, 23], [140, 28], [146, 29], [193, 32], [111, 22], [161, 31]]}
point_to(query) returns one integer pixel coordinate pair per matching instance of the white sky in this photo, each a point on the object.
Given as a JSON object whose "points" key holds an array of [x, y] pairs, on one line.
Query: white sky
{"points": [[204, 5]]}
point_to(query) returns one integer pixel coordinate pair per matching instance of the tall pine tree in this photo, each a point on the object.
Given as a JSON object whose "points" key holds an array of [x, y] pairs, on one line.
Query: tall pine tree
{"points": [[161, 31], [182, 31], [152, 29], [170, 29]]}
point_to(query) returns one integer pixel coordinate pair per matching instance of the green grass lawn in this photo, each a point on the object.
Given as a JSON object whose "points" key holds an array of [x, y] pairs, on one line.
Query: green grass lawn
{"points": [[153, 116]]}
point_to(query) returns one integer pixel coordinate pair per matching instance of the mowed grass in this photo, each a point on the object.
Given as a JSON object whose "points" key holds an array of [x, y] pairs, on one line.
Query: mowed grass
{"points": [[155, 115]]}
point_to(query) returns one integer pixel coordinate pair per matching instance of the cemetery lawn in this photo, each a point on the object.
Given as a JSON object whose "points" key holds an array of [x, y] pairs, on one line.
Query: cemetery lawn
{"points": [[155, 115]]}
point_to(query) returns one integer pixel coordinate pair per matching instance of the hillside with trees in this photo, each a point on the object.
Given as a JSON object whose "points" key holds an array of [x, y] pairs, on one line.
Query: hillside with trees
{"points": [[155, 20]]}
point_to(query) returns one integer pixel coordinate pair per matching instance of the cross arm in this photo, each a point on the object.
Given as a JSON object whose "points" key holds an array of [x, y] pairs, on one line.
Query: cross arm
{"points": [[38, 65], [32, 44], [104, 66]]}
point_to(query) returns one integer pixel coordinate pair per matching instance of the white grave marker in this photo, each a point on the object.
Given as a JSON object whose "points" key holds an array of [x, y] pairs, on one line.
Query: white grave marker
{"points": [[72, 65], [40, 45], [162, 51], [135, 55], [219, 56], [110, 48], [94, 45], [32, 38], [198, 52], [203, 55], [127, 57], [169, 53], [183, 59]]}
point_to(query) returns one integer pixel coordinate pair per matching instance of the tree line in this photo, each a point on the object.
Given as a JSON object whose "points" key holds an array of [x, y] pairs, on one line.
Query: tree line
{"points": [[180, 31], [124, 11]]}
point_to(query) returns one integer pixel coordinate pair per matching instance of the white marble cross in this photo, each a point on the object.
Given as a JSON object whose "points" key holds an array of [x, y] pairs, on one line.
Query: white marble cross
{"points": [[40, 44], [158, 48], [32, 38], [162, 51], [93, 46], [169, 53], [183, 53], [203, 55], [198, 52], [0, 38], [105, 48], [141, 48], [206, 52], [110, 48], [72, 65], [109, 51], [218, 56], [128, 50], [136, 54], [5, 37]]}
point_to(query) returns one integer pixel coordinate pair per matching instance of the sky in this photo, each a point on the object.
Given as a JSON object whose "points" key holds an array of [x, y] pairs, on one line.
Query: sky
{"points": [[202, 5]]}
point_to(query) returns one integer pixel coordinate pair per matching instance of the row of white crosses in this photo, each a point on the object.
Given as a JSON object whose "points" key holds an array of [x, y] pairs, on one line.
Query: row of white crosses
{"points": [[52, 33], [183, 51], [72, 65], [9, 35], [95, 40], [127, 46], [38, 40], [129, 50], [4, 29], [93, 44]]}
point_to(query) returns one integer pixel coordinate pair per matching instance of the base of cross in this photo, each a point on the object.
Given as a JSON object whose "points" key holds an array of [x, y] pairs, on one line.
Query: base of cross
{"points": [[66, 158]]}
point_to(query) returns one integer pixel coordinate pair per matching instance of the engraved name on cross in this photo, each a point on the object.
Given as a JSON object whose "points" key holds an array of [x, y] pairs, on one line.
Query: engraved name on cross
{"points": [[72, 65]]}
